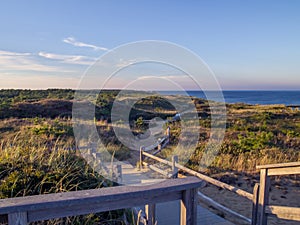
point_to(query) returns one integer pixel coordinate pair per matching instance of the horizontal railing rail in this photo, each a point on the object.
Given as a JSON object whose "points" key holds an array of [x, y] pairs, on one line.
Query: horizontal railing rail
{"points": [[206, 178], [23, 210]]}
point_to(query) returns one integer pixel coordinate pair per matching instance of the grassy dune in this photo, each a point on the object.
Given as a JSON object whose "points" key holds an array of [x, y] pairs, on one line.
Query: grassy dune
{"points": [[38, 151]]}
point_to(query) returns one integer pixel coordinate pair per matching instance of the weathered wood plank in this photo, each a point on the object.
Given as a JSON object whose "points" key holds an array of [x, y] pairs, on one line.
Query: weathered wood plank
{"points": [[255, 204], [188, 211], [17, 218], [210, 202], [156, 145], [82, 209], [100, 196], [204, 177], [284, 212], [263, 199], [150, 214], [155, 153], [141, 156], [284, 171], [157, 159], [216, 182], [174, 168], [168, 213], [158, 170], [278, 165]]}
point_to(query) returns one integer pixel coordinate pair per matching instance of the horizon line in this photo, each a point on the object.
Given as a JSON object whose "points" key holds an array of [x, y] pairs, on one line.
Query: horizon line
{"points": [[54, 88]]}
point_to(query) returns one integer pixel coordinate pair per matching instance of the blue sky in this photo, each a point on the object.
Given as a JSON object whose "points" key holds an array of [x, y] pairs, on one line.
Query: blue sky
{"points": [[248, 44]]}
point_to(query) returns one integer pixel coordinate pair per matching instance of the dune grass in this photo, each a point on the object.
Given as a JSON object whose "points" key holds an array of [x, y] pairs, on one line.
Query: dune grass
{"points": [[28, 167]]}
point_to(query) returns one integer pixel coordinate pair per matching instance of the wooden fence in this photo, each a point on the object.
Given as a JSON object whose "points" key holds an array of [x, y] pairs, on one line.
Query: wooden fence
{"points": [[259, 198], [176, 166], [264, 209], [23, 210]]}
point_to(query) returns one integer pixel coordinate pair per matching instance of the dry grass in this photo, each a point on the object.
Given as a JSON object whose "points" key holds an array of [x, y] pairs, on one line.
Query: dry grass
{"points": [[28, 167]]}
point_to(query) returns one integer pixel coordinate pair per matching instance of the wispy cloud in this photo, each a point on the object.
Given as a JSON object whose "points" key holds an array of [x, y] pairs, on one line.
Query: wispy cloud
{"points": [[70, 59], [15, 61], [7, 53], [73, 41]]}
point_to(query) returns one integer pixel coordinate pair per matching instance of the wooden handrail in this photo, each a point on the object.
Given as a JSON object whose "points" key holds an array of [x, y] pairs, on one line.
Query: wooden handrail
{"points": [[208, 179], [281, 169], [264, 208], [23, 210], [284, 212], [164, 161], [278, 165], [175, 166], [217, 183]]}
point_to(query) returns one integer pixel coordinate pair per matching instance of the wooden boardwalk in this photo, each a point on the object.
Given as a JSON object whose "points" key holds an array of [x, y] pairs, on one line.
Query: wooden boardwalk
{"points": [[168, 213]]}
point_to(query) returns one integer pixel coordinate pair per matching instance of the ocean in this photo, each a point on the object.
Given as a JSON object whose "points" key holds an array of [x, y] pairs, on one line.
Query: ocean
{"points": [[289, 98]]}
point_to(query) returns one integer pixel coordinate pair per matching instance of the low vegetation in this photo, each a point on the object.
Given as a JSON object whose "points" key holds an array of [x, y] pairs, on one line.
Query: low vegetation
{"points": [[38, 152], [31, 167], [255, 135]]}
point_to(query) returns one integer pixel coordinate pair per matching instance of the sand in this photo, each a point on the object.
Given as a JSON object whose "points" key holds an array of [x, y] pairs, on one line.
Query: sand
{"points": [[285, 191]]}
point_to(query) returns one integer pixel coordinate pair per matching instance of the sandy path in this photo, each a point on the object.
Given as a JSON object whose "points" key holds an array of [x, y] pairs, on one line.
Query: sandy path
{"points": [[284, 192]]}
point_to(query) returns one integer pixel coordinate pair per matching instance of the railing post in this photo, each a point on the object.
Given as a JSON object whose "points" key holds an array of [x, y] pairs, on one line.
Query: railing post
{"points": [[117, 173], [168, 133], [174, 168], [263, 199], [188, 208], [150, 214], [159, 147], [142, 148], [18, 218], [255, 204]]}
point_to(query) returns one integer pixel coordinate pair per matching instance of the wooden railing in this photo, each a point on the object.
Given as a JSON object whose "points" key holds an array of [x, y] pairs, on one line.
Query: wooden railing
{"points": [[176, 166], [259, 198], [263, 207], [23, 210]]}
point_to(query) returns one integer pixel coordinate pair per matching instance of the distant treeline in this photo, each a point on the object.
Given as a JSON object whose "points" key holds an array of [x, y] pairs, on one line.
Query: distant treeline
{"points": [[52, 103], [19, 95]]}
